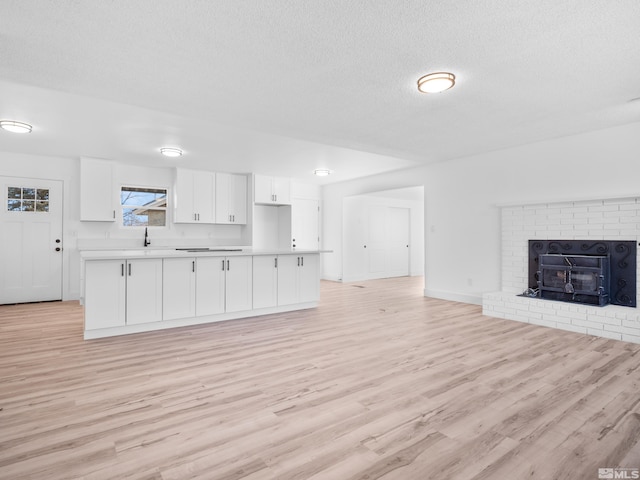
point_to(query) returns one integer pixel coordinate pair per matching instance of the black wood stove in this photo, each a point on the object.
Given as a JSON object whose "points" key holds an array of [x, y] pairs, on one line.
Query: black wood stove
{"points": [[583, 271]]}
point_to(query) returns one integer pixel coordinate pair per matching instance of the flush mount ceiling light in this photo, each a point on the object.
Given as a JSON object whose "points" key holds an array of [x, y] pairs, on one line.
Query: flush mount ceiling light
{"points": [[15, 127], [436, 82], [170, 152], [322, 172]]}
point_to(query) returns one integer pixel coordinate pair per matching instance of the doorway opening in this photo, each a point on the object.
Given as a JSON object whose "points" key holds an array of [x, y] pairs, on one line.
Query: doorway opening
{"points": [[383, 234]]}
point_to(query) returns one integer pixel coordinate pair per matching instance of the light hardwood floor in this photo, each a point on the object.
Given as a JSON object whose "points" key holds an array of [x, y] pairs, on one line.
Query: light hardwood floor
{"points": [[378, 382]]}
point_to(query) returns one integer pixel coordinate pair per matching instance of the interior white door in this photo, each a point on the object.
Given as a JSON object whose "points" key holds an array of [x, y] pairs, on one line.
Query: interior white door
{"points": [[398, 252], [377, 241], [305, 219], [30, 240]]}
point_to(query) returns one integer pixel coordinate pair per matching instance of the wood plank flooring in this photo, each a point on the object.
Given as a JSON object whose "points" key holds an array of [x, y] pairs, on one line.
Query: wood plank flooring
{"points": [[378, 382]]}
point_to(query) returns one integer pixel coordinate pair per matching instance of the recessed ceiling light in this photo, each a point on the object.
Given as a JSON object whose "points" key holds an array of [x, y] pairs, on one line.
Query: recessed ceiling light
{"points": [[322, 172], [436, 82], [170, 152], [15, 127]]}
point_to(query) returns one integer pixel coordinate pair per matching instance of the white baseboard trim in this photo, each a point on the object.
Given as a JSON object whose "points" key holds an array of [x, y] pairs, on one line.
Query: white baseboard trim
{"points": [[453, 296], [184, 322]]}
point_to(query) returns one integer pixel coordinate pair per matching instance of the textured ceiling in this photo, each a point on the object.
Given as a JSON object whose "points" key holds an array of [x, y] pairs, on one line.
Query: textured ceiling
{"points": [[231, 80]]}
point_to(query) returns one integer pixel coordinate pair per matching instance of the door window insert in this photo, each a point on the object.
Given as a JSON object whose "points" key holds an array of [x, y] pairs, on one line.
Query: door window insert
{"points": [[27, 199]]}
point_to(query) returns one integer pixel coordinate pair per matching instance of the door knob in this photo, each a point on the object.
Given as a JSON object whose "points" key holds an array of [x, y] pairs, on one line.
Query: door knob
{"points": [[57, 240], [58, 249]]}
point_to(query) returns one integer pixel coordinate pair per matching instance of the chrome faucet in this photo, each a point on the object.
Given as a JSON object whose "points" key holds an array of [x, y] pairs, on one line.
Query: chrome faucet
{"points": [[146, 238]]}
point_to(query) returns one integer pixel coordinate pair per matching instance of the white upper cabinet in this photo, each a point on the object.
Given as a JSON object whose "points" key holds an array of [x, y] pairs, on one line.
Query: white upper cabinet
{"points": [[272, 190], [194, 196], [97, 196], [231, 199]]}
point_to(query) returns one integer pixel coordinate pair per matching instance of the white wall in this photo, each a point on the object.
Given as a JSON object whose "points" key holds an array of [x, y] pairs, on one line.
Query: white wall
{"points": [[462, 217]]}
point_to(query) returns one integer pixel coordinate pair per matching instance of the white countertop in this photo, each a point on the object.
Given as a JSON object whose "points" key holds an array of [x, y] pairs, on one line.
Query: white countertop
{"points": [[167, 252]]}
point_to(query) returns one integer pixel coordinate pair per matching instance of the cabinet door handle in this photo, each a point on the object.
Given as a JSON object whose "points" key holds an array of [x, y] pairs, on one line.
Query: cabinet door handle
{"points": [[302, 261], [114, 214], [122, 269], [223, 265], [276, 262], [129, 269], [298, 261], [227, 265], [193, 266]]}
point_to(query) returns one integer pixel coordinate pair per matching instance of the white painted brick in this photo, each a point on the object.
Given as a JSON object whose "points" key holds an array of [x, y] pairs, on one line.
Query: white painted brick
{"points": [[543, 322], [565, 320], [602, 333], [573, 315], [629, 206], [530, 314], [572, 328], [587, 323], [604, 320], [574, 210], [631, 338], [574, 221], [504, 309], [631, 323], [624, 330], [619, 201], [623, 214], [590, 203], [604, 208]]}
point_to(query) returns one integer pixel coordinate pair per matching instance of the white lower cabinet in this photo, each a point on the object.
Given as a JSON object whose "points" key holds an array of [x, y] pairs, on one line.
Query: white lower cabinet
{"points": [[238, 284], [179, 288], [119, 292], [105, 294], [298, 279], [265, 281], [210, 283], [206, 286]]}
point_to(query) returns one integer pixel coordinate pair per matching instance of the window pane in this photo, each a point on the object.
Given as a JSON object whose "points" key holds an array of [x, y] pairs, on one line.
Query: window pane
{"points": [[14, 192], [143, 206], [132, 217], [14, 205], [28, 206], [29, 193], [152, 197], [42, 206], [43, 194]]}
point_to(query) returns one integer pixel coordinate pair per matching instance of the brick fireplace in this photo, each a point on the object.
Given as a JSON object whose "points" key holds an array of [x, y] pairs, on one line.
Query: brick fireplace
{"points": [[606, 219]]}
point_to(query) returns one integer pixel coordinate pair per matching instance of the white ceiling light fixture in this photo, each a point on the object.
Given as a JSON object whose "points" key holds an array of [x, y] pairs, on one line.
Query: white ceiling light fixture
{"points": [[322, 172], [15, 127], [436, 82], [170, 152]]}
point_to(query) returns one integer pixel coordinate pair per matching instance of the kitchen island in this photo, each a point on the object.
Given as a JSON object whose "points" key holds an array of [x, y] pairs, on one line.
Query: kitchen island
{"points": [[139, 290]]}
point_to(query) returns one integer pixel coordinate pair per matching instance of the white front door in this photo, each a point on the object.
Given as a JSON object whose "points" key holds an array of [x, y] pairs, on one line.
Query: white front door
{"points": [[30, 240], [305, 224]]}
